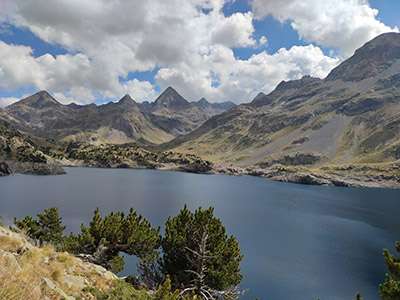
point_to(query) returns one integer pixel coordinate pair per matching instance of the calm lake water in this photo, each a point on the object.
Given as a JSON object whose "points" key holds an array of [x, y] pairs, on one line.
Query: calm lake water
{"points": [[299, 242]]}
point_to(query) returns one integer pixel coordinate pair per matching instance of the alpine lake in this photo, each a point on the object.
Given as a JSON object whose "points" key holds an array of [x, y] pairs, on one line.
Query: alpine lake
{"points": [[299, 241]]}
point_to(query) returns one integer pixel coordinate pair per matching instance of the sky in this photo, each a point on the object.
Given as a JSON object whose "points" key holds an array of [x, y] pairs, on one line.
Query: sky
{"points": [[86, 51]]}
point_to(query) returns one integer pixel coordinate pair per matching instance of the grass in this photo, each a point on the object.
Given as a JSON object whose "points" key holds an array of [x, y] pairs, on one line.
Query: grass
{"points": [[22, 276], [120, 290]]}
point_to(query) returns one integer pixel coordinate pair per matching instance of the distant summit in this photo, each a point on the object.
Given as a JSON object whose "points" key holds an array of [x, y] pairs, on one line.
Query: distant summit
{"points": [[371, 59], [350, 117], [40, 100], [203, 103], [127, 100], [171, 100], [222, 106], [124, 121]]}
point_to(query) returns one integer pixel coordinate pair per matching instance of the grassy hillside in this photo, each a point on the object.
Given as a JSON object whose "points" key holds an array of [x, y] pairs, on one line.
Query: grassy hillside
{"points": [[28, 272], [350, 118]]}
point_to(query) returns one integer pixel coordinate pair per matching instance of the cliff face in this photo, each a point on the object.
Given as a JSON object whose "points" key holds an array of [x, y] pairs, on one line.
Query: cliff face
{"points": [[28, 272]]}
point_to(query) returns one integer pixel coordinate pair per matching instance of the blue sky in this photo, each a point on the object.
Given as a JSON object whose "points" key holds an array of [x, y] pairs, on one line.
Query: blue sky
{"points": [[99, 50]]}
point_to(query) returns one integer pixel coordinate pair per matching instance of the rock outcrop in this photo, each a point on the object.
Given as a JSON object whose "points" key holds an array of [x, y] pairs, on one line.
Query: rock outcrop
{"points": [[4, 169], [33, 168]]}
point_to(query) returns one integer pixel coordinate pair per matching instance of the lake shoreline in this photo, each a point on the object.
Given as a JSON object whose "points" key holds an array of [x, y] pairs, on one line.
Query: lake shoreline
{"points": [[309, 178], [274, 174]]}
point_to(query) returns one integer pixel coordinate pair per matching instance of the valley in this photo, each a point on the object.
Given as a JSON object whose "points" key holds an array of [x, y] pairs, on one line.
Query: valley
{"points": [[341, 130]]}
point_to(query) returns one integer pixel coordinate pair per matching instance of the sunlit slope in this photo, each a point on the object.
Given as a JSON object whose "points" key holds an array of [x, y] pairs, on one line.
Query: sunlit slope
{"points": [[352, 116]]}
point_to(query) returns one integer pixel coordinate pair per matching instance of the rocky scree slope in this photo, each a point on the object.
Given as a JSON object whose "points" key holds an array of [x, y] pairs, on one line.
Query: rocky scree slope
{"points": [[352, 117]]}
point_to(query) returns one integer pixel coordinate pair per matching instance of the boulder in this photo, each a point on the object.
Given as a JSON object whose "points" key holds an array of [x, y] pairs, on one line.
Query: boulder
{"points": [[4, 169]]}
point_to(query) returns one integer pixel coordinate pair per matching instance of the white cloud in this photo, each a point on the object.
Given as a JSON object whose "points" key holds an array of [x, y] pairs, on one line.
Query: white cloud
{"points": [[234, 31], [346, 24], [241, 80], [107, 40], [78, 95], [140, 90], [7, 101]]}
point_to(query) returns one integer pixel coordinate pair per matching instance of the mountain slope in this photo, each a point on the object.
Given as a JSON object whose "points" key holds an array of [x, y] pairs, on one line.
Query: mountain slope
{"points": [[183, 116], [27, 154], [43, 116], [352, 116], [124, 121]]}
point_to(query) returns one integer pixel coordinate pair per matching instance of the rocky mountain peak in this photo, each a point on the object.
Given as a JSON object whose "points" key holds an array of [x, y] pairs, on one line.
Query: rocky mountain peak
{"points": [[371, 59], [295, 84], [203, 103], [259, 96], [39, 100], [170, 99], [127, 100]]}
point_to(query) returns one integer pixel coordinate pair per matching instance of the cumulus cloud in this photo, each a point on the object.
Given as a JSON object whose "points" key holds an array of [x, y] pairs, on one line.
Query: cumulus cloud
{"points": [[189, 42], [7, 101], [346, 24], [240, 80]]}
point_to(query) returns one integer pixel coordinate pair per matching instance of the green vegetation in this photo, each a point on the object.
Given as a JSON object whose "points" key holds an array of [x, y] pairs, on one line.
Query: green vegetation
{"points": [[17, 146], [199, 255], [106, 237], [121, 155], [47, 229], [390, 289], [293, 159], [120, 290], [165, 292]]}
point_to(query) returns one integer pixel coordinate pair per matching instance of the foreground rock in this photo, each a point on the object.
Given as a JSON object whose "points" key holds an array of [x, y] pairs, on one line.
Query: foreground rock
{"points": [[28, 272]]}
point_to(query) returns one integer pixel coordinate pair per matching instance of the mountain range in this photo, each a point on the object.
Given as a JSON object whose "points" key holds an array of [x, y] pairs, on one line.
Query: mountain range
{"points": [[352, 117], [115, 122]]}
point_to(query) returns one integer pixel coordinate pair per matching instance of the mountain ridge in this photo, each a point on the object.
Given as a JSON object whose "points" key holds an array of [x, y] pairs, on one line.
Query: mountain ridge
{"points": [[337, 120], [115, 122]]}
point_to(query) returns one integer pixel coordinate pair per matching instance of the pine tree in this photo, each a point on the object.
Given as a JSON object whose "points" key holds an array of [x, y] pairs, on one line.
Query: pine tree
{"points": [[199, 256], [107, 237], [47, 229], [50, 226], [390, 289]]}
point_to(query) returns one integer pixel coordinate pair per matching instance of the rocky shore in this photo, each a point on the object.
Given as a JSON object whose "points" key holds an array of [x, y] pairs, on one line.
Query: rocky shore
{"points": [[36, 168], [31, 168], [326, 179], [5, 169], [302, 177]]}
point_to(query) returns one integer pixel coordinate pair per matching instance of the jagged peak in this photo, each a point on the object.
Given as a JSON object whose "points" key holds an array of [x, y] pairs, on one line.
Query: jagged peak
{"points": [[259, 96], [372, 58], [127, 100], [297, 83], [203, 100], [39, 100], [202, 103], [43, 93], [171, 98]]}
